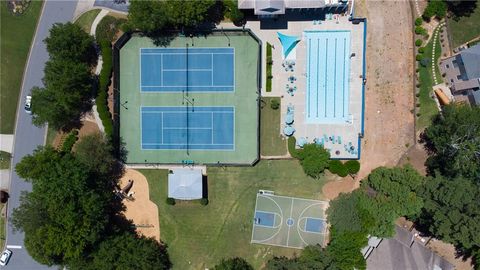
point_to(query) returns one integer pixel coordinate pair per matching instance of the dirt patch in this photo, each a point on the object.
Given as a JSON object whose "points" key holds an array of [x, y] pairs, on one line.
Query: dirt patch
{"points": [[88, 128], [389, 119], [142, 211], [416, 156], [338, 185], [447, 251]]}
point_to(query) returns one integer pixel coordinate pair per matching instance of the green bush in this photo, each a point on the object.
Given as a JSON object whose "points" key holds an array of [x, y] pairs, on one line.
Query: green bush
{"points": [[353, 166], [204, 201], [419, 57], [232, 12], [70, 140], [274, 104], [103, 84], [420, 30], [107, 28], [418, 42], [418, 22], [435, 8], [314, 159], [421, 49], [291, 147], [334, 166], [170, 201], [269, 67]]}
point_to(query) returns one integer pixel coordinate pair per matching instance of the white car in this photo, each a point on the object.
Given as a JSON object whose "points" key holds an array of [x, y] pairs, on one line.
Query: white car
{"points": [[28, 104], [5, 257]]}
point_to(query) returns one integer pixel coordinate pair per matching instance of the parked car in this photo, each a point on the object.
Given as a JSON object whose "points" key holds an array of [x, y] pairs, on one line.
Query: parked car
{"points": [[6, 254], [28, 104]]}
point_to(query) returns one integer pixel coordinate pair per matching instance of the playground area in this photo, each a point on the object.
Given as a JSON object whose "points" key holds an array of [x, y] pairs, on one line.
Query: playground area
{"points": [[193, 101], [289, 222]]}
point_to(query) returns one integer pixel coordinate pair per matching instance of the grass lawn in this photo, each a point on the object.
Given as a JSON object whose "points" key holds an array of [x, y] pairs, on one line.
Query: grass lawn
{"points": [[199, 236], [464, 29], [15, 38], [428, 107], [51, 133], [5, 158], [86, 19], [271, 143]]}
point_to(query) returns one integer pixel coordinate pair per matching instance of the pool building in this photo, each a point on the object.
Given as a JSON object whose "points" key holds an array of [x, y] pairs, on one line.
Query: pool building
{"points": [[193, 101]]}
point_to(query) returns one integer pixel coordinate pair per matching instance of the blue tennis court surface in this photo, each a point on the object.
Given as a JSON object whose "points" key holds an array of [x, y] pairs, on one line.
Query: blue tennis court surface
{"points": [[190, 69], [194, 128], [328, 72], [315, 225], [264, 218]]}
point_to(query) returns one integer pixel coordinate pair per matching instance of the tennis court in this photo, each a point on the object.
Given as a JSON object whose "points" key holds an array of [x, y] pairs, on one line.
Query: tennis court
{"points": [[289, 222], [188, 127], [194, 99], [187, 69], [328, 69]]}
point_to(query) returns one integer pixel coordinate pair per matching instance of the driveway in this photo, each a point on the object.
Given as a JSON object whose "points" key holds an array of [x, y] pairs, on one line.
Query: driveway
{"points": [[27, 136]]}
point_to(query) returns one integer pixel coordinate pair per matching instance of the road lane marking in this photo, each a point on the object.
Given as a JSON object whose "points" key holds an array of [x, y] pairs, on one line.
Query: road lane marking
{"points": [[14, 247]]}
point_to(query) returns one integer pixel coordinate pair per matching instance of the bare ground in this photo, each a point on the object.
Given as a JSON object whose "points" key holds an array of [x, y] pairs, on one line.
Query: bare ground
{"points": [[389, 121]]}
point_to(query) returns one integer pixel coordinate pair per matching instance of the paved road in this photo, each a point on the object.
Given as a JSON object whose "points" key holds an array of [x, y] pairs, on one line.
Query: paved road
{"points": [[27, 136]]}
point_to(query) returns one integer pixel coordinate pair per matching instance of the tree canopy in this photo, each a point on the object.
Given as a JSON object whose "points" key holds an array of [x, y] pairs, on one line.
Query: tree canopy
{"points": [[68, 79], [72, 217], [452, 210], [153, 16], [233, 264], [454, 140], [69, 42], [64, 215], [129, 252], [314, 159]]}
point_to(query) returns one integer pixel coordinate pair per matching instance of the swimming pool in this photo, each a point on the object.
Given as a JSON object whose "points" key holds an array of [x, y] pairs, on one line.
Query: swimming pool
{"points": [[328, 72]]}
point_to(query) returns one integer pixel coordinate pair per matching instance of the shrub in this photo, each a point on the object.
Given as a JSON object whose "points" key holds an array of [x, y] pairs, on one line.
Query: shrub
{"points": [[70, 140], [233, 13], [435, 8], [269, 67], [334, 166], [425, 62], [274, 104], [107, 28], [204, 201], [418, 42], [170, 201], [291, 147], [421, 49], [103, 84], [314, 159], [353, 166], [419, 57], [418, 21], [420, 30]]}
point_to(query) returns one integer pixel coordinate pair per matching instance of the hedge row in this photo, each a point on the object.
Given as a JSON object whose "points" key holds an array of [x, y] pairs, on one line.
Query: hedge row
{"points": [[291, 147], [269, 67], [103, 84], [344, 169]]}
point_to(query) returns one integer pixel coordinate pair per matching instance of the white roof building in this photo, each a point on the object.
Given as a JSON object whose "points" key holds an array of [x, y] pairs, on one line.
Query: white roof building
{"points": [[185, 184]]}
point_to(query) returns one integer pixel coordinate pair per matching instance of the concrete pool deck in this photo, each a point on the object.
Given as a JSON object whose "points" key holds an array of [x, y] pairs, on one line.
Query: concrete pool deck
{"points": [[349, 132]]}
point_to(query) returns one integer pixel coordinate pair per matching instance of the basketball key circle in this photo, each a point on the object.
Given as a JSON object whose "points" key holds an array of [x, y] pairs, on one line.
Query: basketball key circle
{"points": [[290, 222]]}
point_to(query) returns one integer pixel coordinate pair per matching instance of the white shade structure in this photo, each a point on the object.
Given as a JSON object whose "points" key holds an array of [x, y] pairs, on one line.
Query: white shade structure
{"points": [[185, 184]]}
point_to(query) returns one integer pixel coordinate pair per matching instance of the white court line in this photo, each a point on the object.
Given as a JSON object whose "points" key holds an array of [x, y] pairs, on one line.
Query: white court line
{"points": [[14, 247], [212, 127], [204, 86], [187, 69], [289, 227]]}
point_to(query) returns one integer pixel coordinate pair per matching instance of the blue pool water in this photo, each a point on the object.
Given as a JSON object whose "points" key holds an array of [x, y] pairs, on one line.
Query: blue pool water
{"points": [[328, 72], [193, 128], [187, 69]]}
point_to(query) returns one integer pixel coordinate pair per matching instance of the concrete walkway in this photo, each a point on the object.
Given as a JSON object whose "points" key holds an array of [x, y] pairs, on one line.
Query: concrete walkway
{"points": [[97, 20], [6, 142]]}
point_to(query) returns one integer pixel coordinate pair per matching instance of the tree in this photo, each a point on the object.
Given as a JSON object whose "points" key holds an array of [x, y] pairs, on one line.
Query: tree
{"points": [[233, 264], [314, 159], [66, 96], [435, 8], [233, 13], [71, 217], [282, 263], [153, 16], [130, 252], [96, 153], [453, 139], [452, 211], [345, 213], [69, 42], [316, 257], [345, 249]]}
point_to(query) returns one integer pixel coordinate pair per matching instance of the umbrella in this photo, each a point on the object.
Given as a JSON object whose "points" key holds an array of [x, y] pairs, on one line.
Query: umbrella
{"points": [[288, 130]]}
